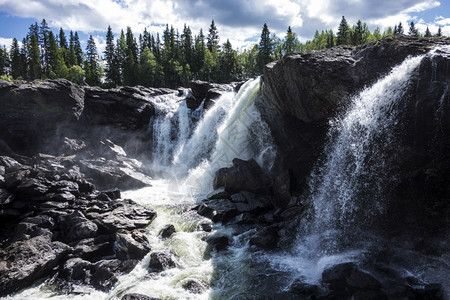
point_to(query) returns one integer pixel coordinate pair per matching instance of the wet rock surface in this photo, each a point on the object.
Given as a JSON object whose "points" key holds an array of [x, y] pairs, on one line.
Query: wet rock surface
{"points": [[303, 92], [58, 220]]}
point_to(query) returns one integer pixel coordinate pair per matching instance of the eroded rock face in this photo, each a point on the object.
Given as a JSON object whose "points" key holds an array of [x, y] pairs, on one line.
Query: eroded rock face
{"points": [[32, 113], [303, 92]]}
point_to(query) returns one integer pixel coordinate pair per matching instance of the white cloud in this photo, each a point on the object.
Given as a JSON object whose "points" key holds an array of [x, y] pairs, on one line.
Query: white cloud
{"points": [[238, 20], [6, 42]]}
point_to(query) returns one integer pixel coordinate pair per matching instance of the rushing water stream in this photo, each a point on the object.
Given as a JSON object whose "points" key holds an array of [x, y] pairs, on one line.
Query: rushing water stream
{"points": [[189, 146]]}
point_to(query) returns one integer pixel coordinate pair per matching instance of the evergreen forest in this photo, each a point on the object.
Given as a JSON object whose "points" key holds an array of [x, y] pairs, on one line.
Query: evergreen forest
{"points": [[170, 60]]}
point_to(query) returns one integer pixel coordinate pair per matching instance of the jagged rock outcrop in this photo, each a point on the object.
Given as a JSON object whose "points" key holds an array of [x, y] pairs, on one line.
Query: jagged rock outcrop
{"points": [[50, 213]]}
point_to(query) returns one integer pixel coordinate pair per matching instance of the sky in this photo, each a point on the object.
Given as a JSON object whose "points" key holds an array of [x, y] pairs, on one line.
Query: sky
{"points": [[240, 21]]}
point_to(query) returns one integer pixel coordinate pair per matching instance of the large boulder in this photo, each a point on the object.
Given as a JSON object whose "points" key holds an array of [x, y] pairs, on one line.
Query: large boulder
{"points": [[23, 262], [206, 92], [32, 114], [126, 108], [242, 176]]}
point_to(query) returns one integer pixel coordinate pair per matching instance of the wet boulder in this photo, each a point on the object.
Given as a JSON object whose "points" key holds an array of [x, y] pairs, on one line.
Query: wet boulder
{"points": [[218, 243], [131, 245], [162, 260], [105, 272], [126, 214], [75, 226], [242, 176], [136, 296], [347, 280], [167, 231], [23, 262]]}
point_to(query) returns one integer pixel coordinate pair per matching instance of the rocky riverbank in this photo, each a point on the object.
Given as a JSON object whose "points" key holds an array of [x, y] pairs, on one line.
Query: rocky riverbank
{"points": [[65, 153]]}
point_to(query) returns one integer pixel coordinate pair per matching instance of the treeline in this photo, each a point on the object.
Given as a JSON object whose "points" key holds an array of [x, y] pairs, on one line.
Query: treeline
{"points": [[168, 61]]}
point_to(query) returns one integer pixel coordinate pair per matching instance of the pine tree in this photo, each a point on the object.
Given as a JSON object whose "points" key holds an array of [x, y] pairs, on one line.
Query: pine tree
{"points": [[44, 43], [57, 66], [290, 41], [17, 66], [343, 34], [213, 37], [360, 33], [187, 46], [400, 29], [199, 54], [427, 32], [330, 38], [92, 68], [3, 60], [112, 71], [121, 55], [228, 63], [413, 31], [265, 48], [439, 33], [34, 59], [71, 56], [78, 50]]}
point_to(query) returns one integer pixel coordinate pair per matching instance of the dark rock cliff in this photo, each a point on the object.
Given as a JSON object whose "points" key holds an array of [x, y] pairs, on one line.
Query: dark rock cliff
{"points": [[303, 92]]}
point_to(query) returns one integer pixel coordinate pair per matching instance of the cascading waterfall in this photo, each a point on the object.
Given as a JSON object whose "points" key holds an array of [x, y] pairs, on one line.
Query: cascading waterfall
{"points": [[347, 188], [358, 170], [232, 128]]}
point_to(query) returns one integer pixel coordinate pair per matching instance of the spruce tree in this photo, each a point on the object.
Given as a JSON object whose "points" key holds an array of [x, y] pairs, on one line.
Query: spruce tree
{"points": [[343, 34], [187, 46], [78, 50], [34, 59], [439, 33], [92, 67], [413, 31], [228, 63], [121, 55], [360, 33], [400, 29], [44, 44], [330, 38], [112, 71], [199, 54], [213, 37], [57, 66], [17, 66], [62, 39], [427, 32], [3, 60], [265, 48], [290, 41], [71, 56]]}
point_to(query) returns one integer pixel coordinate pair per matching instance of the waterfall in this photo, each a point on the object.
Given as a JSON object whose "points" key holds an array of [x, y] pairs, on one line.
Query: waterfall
{"points": [[190, 154], [359, 165], [348, 185]]}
